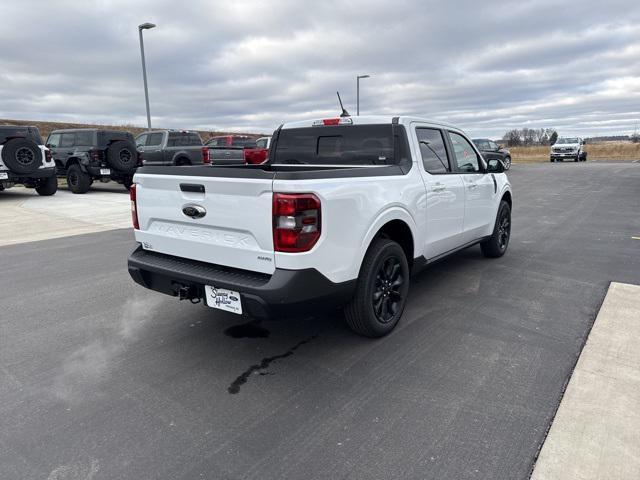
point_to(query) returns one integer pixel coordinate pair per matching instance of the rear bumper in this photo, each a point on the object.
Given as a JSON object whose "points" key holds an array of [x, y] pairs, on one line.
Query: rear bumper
{"points": [[19, 178], [285, 293]]}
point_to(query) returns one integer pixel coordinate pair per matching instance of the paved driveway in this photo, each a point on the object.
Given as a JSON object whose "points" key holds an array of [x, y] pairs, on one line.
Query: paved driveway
{"points": [[101, 377]]}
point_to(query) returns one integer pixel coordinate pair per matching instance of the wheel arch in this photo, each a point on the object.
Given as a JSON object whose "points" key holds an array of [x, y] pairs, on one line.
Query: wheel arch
{"points": [[181, 159], [397, 225], [506, 196]]}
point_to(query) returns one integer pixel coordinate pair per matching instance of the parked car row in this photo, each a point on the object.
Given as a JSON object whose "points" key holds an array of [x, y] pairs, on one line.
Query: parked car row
{"points": [[83, 156]]}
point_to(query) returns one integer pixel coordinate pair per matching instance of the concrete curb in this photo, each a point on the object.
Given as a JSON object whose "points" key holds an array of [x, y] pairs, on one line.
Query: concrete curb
{"points": [[596, 431]]}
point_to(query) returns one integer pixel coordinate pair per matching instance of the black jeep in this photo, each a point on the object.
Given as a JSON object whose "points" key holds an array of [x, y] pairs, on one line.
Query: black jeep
{"points": [[85, 155], [24, 159]]}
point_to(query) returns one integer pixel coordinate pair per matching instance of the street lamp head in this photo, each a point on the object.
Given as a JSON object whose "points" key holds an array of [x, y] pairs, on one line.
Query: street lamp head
{"points": [[146, 26], [363, 76]]}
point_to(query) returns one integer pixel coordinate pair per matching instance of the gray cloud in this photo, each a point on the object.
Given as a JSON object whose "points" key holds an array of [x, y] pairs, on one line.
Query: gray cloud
{"points": [[251, 64]]}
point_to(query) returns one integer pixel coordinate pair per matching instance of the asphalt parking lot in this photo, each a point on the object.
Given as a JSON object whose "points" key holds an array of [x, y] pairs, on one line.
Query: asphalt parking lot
{"points": [[100, 378]]}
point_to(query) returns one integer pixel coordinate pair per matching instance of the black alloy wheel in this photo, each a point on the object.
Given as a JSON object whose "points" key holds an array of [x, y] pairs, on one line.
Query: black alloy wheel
{"points": [[387, 295]]}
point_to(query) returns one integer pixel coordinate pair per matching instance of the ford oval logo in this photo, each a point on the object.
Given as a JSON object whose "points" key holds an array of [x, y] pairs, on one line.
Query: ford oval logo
{"points": [[194, 211]]}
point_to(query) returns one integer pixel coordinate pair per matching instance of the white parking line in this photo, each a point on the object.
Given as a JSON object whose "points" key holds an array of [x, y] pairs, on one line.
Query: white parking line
{"points": [[596, 431]]}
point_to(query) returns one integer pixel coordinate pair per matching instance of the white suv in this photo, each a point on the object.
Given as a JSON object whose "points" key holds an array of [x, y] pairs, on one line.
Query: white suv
{"points": [[24, 159], [568, 148]]}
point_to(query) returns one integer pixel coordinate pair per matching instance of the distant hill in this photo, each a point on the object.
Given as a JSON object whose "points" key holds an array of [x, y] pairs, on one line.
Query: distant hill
{"points": [[46, 127]]}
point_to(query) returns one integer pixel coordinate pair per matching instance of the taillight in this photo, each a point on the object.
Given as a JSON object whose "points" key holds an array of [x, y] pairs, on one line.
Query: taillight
{"points": [[334, 121], [296, 221], [134, 207], [206, 158], [47, 155], [95, 155], [140, 159], [256, 157]]}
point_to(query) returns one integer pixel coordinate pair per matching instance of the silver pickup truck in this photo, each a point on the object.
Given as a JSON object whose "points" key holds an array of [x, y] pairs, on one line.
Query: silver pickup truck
{"points": [[227, 155], [172, 147]]}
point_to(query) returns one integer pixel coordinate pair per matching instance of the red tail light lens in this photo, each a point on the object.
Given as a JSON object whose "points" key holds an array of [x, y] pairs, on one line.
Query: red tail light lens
{"points": [[94, 154], [256, 157], [140, 159], [206, 158], [134, 207], [296, 222], [47, 155]]}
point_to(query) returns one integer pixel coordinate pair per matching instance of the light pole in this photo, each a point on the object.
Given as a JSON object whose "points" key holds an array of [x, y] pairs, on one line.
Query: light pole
{"points": [[145, 26], [358, 92]]}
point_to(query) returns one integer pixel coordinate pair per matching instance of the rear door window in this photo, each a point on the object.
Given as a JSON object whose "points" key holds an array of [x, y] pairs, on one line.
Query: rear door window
{"points": [[336, 145], [433, 151], [84, 138], [67, 139], [154, 139], [482, 144]]}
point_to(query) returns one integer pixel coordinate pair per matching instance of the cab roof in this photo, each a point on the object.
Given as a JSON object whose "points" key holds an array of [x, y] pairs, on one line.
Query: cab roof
{"points": [[368, 120]]}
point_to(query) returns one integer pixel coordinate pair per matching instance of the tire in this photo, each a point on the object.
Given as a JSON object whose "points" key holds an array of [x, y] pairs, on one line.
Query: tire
{"points": [[577, 159], [551, 160], [47, 186], [181, 162], [584, 157], [122, 156], [496, 245], [127, 182], [22, 156], [507, 163], [384, 276], [77, 180]]}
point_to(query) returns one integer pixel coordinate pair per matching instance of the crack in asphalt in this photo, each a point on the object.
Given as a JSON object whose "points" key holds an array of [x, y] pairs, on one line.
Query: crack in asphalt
{"points": [[264, 364]]}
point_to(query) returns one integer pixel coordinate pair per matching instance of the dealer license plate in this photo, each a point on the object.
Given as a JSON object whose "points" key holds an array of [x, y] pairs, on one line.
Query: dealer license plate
{"points": [[105, 171], [222, 299]]}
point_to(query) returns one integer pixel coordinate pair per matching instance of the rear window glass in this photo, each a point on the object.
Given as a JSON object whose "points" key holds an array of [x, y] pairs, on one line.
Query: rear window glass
{"points": [[183, 139], [107, 136], [154, 139], [32, 133], [243, 142], [335, 145]]}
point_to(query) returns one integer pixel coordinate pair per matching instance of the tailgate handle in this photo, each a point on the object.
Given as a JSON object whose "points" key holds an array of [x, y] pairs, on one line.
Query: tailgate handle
{"points": [[192, 187]]}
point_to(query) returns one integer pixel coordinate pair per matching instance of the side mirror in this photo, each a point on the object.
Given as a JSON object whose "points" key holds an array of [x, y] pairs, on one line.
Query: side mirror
{"points": [[495, 166]]}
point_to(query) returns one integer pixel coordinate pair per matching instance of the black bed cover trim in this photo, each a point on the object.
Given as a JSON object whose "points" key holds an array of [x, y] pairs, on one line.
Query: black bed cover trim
{"points": [[274, 172]]}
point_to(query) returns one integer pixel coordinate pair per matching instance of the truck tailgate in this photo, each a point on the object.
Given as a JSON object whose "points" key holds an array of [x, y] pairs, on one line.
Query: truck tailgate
{"points": [[227, 155], [235, 230]]}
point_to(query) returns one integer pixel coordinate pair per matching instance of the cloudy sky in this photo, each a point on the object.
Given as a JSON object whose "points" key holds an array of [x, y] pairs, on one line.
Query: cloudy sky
{"points": [[249, 65]]}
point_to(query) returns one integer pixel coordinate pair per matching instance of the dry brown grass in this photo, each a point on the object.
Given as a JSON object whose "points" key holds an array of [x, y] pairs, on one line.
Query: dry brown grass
{"points": [[595, 151], [46, 128]]}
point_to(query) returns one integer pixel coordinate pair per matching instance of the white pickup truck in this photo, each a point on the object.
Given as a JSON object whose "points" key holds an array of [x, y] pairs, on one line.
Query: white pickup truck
{"points": [[341, 214]]}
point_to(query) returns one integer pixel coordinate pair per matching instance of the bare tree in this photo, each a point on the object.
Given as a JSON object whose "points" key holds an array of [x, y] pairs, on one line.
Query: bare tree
{"points": [[513, 138]]}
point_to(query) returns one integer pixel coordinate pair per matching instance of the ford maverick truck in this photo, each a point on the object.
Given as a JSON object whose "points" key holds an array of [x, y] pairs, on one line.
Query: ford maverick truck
{"points": [[340, 215]]}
